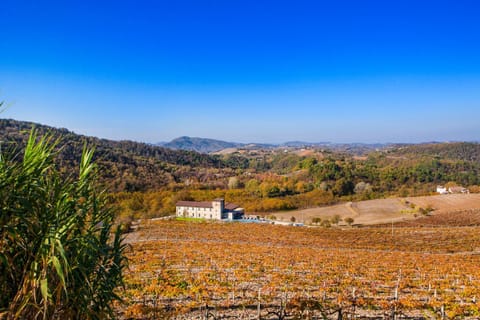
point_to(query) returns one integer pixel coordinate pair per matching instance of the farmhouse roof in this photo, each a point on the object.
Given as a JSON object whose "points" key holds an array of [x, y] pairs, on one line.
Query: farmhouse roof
{"points": [[198, 204], [204, 204], [230, 206]]}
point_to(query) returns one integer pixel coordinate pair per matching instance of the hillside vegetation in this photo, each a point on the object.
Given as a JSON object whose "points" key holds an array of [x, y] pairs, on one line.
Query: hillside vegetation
{"points": [[146, 180], [419, 268], [124, 165], [464, 151]]}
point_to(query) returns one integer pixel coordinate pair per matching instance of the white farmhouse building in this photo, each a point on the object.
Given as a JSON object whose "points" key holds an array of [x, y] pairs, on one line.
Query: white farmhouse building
{"points": [[216, 210], [442, 190], [454, 189]]}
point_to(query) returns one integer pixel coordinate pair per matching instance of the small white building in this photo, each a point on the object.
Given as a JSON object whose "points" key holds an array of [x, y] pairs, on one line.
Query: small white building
{"points": [[215, 210], [455, 189], [442, 190]]}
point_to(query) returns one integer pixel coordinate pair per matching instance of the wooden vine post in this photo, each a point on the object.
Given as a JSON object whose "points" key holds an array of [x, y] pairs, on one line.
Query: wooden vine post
{"points": [[258, 304]]}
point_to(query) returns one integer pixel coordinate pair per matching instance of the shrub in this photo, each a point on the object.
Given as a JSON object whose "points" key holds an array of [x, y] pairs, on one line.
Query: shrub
{"points": [[349, 220], [326, 224]]}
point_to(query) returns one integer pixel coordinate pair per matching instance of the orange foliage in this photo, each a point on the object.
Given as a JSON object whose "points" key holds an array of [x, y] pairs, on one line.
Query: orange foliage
{"points": [[184, 266]]}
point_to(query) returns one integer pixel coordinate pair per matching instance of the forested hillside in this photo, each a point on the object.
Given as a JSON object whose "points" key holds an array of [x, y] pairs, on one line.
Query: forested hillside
{"points": [[466, 151], [124, 165]]}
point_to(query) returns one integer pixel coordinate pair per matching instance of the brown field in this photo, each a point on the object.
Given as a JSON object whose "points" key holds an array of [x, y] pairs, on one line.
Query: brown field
{"points": [[226, 151], [449, 202], [383, 211], [305, 152]]}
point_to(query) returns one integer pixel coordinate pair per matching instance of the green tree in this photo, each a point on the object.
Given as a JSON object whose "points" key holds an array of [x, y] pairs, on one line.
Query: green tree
{"points": [[343, 187], [58, 256], [316, 220]]}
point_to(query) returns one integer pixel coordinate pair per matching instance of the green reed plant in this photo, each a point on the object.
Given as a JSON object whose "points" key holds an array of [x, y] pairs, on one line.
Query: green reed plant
{"points": [[59, 258]]}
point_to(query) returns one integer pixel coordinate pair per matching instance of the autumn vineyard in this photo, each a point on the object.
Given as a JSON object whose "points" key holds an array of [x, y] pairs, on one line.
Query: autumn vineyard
{"points": [[207, 270]]}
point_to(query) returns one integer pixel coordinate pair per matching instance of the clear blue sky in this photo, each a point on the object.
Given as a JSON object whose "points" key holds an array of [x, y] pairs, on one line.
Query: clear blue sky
{"points": [[247, 71]]}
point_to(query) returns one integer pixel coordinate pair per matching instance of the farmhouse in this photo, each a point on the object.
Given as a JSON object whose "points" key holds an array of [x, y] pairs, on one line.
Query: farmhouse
{"points": [[458, 189], [442, 190], [216, 210], [455, 189]]}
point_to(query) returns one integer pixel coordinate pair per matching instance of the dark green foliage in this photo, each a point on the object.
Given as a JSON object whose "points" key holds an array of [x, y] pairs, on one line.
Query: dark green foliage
{"points": [[343, 187], [58, 257], [465, 151], [115, 151], [236, 162]]}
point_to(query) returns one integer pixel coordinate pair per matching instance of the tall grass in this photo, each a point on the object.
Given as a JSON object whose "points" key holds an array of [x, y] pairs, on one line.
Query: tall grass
{"points": [[58, 257]]}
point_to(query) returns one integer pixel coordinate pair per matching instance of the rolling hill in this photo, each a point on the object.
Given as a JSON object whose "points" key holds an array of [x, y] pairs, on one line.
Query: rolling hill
{"points": [[124, 165], [201, 145], [465, 151]]}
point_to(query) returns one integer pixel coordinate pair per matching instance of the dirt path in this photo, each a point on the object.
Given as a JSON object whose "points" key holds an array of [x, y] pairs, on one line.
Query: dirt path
{"points": [[349, 206]]}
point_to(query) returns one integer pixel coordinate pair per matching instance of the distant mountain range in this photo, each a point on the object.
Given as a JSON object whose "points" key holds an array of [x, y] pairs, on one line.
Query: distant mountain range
{"points": [[204, 145]]}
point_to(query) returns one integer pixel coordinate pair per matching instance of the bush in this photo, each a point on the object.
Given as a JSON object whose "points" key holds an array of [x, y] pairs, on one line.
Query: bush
{"points": [[349, 220], [326, 223], [58, 258], [316, 220]]}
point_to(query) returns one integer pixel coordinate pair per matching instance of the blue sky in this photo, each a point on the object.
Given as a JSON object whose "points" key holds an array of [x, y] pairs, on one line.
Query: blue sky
{"points": [[246, 71]]}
